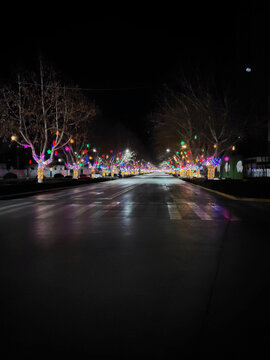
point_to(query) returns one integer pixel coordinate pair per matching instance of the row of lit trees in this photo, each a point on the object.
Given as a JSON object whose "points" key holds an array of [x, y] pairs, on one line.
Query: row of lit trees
{"points": [[197, 125], [41, 114]]}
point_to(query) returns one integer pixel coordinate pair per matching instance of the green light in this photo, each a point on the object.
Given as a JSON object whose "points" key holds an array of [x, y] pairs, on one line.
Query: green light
{"points": [[182, 143], [195, 137], [177, 152], [202, 150], [79, 156], [185, 152], [87, 145], [49, 151]]}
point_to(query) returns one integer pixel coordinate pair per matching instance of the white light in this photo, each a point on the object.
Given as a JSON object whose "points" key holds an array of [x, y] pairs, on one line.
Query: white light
{"points": [[94, 150], [248, 69], [168, 150], [127, 150], [59, 160]]}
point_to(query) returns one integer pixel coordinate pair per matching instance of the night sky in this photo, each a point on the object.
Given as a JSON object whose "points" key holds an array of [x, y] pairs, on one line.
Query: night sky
{"points": [[140, 51]]}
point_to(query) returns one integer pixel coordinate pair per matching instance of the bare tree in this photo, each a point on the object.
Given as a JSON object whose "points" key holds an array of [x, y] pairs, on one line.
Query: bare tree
{"points": [[41, 114], [197, 121]]}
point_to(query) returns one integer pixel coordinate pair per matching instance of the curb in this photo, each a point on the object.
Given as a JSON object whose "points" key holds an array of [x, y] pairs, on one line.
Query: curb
{"points": [[231, 197]]}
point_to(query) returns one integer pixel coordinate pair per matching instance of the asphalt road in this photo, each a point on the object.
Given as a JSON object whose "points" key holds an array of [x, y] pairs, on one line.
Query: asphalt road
{"points": [[145, 265]]}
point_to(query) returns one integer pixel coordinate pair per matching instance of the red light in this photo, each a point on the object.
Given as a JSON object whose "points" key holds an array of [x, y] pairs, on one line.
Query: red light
{"points": [[54, 143], [188, 152], [107, 160], [85, 151], [56, 153], [102, 155], [111, 151], [30, 162]]}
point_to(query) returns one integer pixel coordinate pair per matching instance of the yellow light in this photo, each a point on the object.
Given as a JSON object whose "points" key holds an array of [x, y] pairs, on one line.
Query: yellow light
{"points": [[71, 141], [40, 173], [57, 132], [211, 172], [233, 148], [215, 146], [13, 137], [90, 158]]}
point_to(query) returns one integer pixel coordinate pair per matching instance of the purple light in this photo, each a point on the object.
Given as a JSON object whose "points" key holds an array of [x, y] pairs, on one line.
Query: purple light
{"points": [[226, 158], [26, 146], [66, 148]]}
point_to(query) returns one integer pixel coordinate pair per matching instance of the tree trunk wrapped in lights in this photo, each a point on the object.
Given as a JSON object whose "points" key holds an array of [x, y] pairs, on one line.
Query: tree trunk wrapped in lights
{"points": [[211, 163], [198, 173], [211, 171], [75, 167], [189, 173], [75, 174], [40, 173], [183, 172]]}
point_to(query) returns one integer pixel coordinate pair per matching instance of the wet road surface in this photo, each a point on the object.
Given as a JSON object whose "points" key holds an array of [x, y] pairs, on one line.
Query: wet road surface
{"points": [[144, 265]]}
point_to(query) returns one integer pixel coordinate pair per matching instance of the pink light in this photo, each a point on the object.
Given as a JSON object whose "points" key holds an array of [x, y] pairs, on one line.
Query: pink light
{"points": [[26, 146], [66, 148], [226, 158]]}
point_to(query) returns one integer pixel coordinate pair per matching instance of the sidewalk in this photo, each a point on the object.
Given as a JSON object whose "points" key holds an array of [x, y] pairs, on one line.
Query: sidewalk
{"points": [[241, 190]]}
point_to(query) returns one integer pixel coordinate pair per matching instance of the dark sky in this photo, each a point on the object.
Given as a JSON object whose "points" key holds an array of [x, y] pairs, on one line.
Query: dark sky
{"points": [[137, 49]]}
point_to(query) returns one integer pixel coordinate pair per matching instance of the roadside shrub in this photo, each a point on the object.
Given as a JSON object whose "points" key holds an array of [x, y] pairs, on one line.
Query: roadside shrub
{"points": [[58, 175], [10, 176]]}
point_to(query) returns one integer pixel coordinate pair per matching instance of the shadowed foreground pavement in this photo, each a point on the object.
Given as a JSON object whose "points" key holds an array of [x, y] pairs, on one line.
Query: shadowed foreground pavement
{"points": [[145, 265]]}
